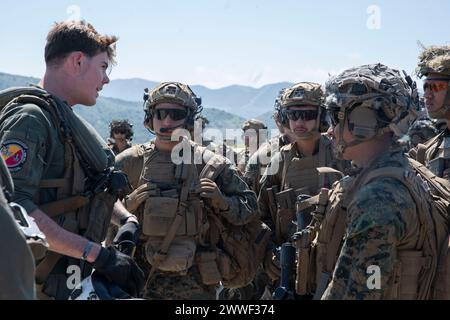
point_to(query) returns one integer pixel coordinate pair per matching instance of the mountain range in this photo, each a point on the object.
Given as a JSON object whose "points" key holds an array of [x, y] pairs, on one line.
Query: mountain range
{"points": [[226, 107]]}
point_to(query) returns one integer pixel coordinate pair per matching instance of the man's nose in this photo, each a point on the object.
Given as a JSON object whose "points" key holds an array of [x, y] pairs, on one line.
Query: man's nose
{"points": [[428, 94], [105, 79]]}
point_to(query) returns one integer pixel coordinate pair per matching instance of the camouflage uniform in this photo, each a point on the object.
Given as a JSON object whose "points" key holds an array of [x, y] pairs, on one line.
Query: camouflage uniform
{"points": [[377, 217], [244, 155], [242, 209], [146, 164], [121, 126], [301, 177], [114, 147], [381, 220], [434, 62], [256, 167], [290, 169]]}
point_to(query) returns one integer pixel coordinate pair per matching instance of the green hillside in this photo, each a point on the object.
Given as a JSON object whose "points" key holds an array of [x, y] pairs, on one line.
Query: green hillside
{"points": [[107, 109]]}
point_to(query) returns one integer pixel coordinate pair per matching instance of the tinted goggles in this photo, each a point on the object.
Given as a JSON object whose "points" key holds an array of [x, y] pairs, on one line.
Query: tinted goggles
{"points": [[305, 115], [175, 114], [435, 86]]}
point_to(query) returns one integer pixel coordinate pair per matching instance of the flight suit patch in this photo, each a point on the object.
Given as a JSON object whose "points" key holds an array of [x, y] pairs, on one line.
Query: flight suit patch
{"points": [[14, 153]]}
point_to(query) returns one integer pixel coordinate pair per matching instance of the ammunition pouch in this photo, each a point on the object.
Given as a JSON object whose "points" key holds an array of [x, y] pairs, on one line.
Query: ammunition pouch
{"points": [[208, 266], [160, 212], [285, 227], [179, 258]]}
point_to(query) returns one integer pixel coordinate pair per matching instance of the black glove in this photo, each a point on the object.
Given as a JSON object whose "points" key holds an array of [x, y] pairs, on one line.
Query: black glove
{"points": [[120, 269], [127, 237]]}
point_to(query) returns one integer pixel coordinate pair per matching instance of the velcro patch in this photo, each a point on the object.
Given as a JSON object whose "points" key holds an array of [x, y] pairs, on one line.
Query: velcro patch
{"points": [[14, 153]]}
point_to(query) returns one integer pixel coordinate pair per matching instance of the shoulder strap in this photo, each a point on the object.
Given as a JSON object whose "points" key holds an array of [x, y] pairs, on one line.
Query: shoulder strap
{"points": [[420, 153], [213, 168], [440, 185], [286, 162], [7, 95], [147, 152]]}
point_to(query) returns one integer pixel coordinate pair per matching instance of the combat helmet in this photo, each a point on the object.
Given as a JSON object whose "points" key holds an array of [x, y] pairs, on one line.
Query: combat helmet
{"points": [[253, 124], [434, 64], [374, 99], [421, 131], [171, 92], [122, 126], [300, 94]]}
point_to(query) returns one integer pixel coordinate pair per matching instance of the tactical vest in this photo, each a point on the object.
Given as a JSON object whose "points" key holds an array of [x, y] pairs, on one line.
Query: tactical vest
{"points": [[160, 209], [300, 176], [180, 230], [77, 208], [419, 273]]}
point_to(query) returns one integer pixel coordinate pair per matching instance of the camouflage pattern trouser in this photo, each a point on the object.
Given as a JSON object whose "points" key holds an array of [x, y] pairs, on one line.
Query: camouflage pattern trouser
{"points": [[174, 286]]}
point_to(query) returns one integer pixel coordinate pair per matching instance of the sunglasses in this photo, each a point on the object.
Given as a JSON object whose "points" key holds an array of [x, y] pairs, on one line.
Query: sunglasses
{"points": [[305, 115], [435, 86], [175, 114], [120, 131]]}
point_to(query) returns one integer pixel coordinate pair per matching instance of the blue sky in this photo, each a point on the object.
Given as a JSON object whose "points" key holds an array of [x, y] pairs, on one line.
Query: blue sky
{"points": [[219, 43]]}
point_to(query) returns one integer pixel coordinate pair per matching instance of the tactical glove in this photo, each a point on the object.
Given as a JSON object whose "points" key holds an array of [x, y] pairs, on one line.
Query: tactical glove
{"points": [[137, 197], [209, 189], [120, 269], [127, 237]]}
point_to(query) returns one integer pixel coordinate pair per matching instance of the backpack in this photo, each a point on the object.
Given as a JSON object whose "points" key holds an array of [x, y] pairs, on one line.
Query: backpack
{"points": [[240, 249]]}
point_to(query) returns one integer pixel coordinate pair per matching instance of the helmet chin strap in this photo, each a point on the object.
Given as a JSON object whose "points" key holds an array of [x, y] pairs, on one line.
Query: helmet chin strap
{"points": [[342, 145], [310, 134]]}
